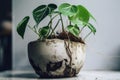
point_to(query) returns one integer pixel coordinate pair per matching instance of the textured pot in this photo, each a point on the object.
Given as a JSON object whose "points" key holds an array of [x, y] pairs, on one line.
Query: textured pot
{"points": [[56, 58]]}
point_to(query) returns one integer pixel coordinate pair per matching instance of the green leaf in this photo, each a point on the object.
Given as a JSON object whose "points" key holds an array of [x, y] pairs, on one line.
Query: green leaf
{"points": [[67, 9], [22, 26], [44, 31], [52, 7], [92, 28], [42, 11], [74, 30], [83, 14], [75, 20]]}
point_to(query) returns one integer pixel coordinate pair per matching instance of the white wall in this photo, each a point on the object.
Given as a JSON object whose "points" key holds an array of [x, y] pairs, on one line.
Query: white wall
{"points": [[103, 49]]}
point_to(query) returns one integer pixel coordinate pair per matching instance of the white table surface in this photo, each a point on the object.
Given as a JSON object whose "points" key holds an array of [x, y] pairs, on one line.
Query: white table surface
{"points": [[83, 75]]}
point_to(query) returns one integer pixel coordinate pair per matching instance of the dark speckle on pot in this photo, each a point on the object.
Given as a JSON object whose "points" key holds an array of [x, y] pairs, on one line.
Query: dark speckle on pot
{"points": [[54, 57], [76, 58], [66, 60], [55, 45], [48, 42], [54, 66], [69, 71], [71, 46], [73, 64]]}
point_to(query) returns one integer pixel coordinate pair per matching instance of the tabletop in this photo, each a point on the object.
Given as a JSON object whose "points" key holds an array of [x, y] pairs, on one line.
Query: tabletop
{"points": [[83, 75]]}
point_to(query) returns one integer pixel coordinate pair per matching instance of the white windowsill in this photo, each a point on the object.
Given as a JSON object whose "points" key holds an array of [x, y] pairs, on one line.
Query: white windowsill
{"points": [[83, 75]]}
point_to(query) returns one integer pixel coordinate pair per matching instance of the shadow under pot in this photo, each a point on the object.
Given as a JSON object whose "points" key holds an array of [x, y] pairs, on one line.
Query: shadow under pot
{"points": [[55, 58]]}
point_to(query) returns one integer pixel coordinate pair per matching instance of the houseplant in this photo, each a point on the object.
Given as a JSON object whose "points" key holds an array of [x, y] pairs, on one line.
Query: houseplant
{"points": [[58, 54]]}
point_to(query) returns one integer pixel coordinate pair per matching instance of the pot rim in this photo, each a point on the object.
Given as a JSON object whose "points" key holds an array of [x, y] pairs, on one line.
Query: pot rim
{"points": [[55, 39]]}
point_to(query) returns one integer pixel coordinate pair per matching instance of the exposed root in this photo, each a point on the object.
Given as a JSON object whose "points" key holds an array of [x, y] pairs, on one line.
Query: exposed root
{"points": [[68, 51]]}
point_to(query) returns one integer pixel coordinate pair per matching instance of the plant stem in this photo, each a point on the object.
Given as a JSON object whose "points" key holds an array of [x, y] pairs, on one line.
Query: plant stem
{"points": [[55, 26], [62, 23], [51, 21], [87, 35], [52, 18], [69, 22], [82, 28], [50, 24], [33, 30]]}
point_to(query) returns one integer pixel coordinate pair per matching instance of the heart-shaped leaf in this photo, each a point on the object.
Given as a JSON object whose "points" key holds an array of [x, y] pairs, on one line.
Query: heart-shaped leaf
{"points": [[74, 30], [22, 26], [67, 9], [42, 11], [52, 7], [92, 28], [83, 14], [44, 31]]}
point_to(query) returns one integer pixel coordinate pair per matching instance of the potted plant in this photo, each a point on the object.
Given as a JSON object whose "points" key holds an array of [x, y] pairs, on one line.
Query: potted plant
{"points": [[58, 54]]}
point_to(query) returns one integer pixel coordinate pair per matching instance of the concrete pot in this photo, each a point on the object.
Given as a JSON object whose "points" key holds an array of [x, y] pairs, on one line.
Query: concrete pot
{"points": [[56, 58]]}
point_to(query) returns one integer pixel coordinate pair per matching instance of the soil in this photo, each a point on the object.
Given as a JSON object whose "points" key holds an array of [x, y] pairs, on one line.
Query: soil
{"points": [[66, 35]]}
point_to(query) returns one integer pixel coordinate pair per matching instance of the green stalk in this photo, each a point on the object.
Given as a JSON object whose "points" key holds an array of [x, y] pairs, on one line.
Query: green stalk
{"points": [[87, 35], [55, 26], [52, 18], [50, 23], [82, 28], [62, 23], [33, 30], [69, 22]]}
